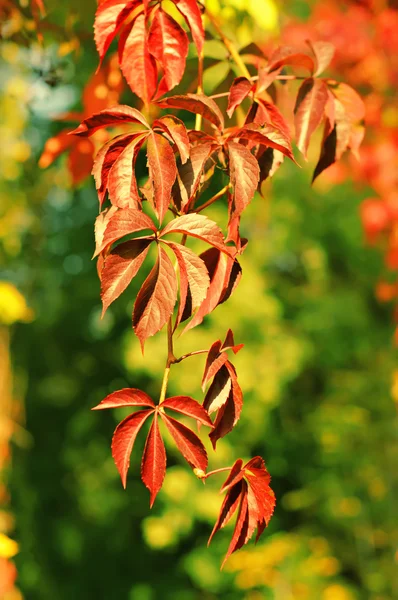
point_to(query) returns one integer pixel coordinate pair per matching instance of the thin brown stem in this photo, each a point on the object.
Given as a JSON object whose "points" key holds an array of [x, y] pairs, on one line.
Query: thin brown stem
{"points": [[213, 199], [210, 473], [229, 46], [184, 356]]}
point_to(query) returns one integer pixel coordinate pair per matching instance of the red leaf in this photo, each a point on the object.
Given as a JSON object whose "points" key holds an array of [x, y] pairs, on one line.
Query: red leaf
{"points": [[324, 52], [265, 78], [187, 442], [328, 150], [191, 13], [189, 407], [228, 508], [125, 397], [309, 110], [272, 115], [198, 104], [189, 175], [354, 107], [121, 265], [223, 280], [168, 43], [123, 441], [244, 174], [268, 136], [156, 299], [125, 222], [194, 278], [229, 413], [122, 183], [219, 391], [101, 223], [229, 343], [162, 171], [104, 161], [286, 55], [234, 476], [198, 226], [240, 89], [153, 465], [214, 361], [239, 536], [137, 64], [176, 130], [109, 19], [110, 117]]}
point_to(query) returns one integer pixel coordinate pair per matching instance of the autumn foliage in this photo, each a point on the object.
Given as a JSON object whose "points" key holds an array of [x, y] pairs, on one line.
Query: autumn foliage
{"points": [[240, 134]]}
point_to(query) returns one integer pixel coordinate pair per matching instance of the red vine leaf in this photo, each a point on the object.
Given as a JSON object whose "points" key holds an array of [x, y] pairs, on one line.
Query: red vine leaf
{"points": [[198, 104], [189, 175], [122, 183], [168, 43], [162, 171], [136, 62], [198, 226], [324, 52], [125, 397], [109, 18], [123, 441], [101, 223], [110, 117], [309, 110], [268, 135], [187, 442], [121, 265], [176, 130], [192, 15], [153, 466], [225, 396], [285, 55], [248, 493], [189, 407], [156, 299], [240, 89], [124, 222], [244, 175], [194, 278]]}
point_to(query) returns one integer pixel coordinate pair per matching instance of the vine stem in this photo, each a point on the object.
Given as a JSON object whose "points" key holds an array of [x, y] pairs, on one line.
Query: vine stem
{"points": [[229, 46], [213, 199], [222, 470], [184, 356], [170, 360], [199, 118]]}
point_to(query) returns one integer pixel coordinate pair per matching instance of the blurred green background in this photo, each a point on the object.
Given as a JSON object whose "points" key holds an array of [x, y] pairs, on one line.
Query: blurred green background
{"points": [[317, 372]]}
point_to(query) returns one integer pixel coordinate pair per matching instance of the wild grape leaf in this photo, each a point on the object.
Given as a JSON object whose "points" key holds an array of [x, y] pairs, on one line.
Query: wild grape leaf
{"points": [[229, 413], [168, 43], [137, 64], [323, 52], [268, 136], [194, 278], [240, 89], [309, 110], [162, 171], [187, 406], [248, 493], [198, 104], [198, 226], [192, 15], [286, 55], [101, 223], [217, 356], [328, 149], [156, 299], [122, 183], [153, 465], [124, 222], [224, 273], [187, 443], [109, 117], [244, 175], [269, 113], [120, 267], [110, 17], [219, 390], [189, 174], [176, 130]]}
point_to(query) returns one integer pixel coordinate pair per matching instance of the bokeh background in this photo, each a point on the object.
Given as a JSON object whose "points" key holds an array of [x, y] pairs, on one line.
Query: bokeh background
{"points": [[319, 367]]}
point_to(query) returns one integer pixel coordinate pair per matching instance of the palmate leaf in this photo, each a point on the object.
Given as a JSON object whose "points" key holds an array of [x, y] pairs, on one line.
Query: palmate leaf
{"points": [[153, 464], [148, 33], [250, 495]]}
